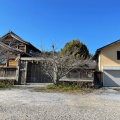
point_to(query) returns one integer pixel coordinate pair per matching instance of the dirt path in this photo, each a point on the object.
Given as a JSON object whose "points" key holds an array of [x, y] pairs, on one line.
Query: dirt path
{"points": [[22, 104]]}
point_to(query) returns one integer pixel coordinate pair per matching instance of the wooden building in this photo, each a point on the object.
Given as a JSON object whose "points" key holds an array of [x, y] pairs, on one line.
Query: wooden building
{"points": [[14, 64]]}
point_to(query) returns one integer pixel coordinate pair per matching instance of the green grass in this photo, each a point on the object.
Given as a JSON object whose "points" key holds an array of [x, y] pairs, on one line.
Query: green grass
{"points": [[62, 88], [50, 87], [117, 89], [3, 85]]}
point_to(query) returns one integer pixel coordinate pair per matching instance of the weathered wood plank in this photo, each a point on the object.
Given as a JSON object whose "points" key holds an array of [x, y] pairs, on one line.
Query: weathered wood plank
{"points": [[76, 79], [31, 58], [12, 63], [7, 78]]}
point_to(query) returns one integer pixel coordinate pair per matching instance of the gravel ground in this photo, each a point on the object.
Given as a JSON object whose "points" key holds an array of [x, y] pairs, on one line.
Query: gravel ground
{"points": [[24, 104]]}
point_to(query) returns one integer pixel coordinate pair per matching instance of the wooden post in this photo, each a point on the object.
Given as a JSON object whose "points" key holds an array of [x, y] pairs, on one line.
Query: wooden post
{"points": [[18, 69], [26, 64]]}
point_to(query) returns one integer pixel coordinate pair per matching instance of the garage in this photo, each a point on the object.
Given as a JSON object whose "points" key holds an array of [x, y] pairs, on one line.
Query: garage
{"points": [[111, 76]]}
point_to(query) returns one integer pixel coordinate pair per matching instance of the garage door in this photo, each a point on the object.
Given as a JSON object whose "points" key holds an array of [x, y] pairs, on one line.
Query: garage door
{"points": [[111, 78]]}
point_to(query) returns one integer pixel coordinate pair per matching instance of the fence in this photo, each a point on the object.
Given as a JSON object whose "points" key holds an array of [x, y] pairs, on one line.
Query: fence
{"points": [[7, 73]]}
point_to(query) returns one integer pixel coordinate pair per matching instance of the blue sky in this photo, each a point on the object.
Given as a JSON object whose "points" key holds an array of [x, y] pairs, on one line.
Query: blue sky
{"points": [[45, 22]]}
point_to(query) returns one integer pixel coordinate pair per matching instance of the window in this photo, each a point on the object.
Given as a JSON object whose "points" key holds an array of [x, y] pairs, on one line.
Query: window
{"points": [[118, 55]]}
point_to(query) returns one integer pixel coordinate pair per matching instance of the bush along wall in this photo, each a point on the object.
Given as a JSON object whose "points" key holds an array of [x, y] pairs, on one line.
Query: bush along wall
{"points": [[6, 83]]}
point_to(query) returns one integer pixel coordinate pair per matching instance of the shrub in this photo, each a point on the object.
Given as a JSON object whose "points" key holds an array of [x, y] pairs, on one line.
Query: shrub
{"points": [[52, 86], [6, 83], [3, 85]]}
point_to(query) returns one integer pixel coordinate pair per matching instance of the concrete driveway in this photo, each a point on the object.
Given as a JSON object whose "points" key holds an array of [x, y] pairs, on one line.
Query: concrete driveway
{"points": [[24, 104]]}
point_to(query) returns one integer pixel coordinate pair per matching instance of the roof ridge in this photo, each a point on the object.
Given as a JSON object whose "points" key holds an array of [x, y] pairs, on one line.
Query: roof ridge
{"points": [[11, 32], [99, 49], [109, 44], [15, 35]]}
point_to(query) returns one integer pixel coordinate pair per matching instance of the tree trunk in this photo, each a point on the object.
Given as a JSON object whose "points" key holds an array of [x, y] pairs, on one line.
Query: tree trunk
{"points": [[55, 75], [55, 78]]}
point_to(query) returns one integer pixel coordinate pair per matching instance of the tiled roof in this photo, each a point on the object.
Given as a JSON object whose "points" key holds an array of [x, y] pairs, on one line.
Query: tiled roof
{"points": [[20, 39]]}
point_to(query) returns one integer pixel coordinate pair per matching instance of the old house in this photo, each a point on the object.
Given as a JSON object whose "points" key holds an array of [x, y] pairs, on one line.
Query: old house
{"points": [[108, 64], [18, 60]]}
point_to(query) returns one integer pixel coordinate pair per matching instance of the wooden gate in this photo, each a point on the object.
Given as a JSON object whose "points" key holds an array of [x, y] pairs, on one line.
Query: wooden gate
{"points": [[35, 74]]}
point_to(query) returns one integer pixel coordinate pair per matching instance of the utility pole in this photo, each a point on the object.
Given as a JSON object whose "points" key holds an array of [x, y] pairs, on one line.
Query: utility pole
{"points": [[53, 50]]}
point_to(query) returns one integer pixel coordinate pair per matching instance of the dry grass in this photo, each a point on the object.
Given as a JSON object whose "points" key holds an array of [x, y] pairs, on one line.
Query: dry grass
{"points": [[61, 88], [117, 89]]}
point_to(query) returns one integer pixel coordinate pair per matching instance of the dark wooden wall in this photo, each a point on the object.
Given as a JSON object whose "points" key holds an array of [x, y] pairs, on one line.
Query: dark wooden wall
{"points": [[80, 73], [8, 72], [35, 74]]}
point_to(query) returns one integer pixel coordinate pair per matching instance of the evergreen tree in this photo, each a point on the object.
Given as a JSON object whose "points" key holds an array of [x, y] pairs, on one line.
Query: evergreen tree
{"points": [[75, 48]]}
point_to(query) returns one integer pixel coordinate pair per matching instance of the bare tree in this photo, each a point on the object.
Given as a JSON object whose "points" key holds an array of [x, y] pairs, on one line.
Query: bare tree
{"points": [[55, 66], [58, 66]]}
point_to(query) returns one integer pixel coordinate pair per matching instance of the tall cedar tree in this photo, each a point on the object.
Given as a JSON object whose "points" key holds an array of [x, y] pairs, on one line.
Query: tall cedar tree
{"points": [[77, 47]]}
